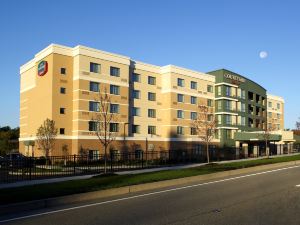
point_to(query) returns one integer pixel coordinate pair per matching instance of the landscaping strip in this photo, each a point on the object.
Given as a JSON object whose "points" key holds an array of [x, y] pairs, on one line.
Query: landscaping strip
{"points": [[103, 182]]}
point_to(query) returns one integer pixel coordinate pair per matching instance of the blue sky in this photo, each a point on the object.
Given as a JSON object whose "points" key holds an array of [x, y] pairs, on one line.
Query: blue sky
{"points": [[199, 35]]}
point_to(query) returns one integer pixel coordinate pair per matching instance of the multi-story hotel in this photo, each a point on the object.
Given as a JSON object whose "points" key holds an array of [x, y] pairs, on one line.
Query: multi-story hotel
{"points": [[154, 105]]}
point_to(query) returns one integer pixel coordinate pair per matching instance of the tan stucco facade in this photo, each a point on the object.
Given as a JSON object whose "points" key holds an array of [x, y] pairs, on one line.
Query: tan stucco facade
{"points": [[275, 110], [41, 98]]}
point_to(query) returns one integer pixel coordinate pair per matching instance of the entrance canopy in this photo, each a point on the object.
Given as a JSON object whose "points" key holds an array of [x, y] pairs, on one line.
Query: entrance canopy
{"points": [[255, 136]]}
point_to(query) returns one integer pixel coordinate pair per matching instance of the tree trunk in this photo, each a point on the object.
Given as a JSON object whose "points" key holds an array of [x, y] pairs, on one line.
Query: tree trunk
{"points": [[207, 152], [105, 147]]}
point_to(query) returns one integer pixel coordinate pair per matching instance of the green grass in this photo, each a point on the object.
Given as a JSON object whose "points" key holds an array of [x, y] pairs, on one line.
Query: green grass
{"points": [[34, 192]]}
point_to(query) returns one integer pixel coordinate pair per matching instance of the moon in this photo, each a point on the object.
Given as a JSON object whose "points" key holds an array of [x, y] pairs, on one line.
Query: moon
{"points": [[263, 54]]}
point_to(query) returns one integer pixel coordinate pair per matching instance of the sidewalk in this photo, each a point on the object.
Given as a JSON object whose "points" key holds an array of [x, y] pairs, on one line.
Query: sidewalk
{"points": [[178, 167]]}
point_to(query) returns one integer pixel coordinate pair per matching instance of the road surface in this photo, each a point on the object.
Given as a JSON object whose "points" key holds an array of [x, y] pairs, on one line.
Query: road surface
{"points": [[262, 198]]}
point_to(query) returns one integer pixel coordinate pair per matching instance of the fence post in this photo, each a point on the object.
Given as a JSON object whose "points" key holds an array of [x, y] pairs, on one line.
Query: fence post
{"points": [[74, 161], [30, 165], [111, 162], [142, 159]]}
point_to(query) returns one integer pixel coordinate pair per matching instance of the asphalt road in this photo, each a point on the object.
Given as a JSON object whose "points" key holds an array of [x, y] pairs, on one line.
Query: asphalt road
{"points": [[269, 198]]}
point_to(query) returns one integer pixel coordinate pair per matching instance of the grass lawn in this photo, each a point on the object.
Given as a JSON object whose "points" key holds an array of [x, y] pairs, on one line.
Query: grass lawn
{"points": [[40, 191]]}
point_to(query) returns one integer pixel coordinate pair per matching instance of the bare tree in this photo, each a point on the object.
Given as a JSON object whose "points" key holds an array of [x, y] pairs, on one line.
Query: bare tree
{"points": [[298, 124], [205, 125], [103, 119], [266, 135], [46, 135]]}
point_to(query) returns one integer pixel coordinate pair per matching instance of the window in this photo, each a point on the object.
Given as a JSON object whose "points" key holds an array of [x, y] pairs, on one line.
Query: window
{"points": [[180, 130], [277, 126], [114, 71], [136, 77], [94, 86], [243, 94], [114, 89], [209, 102], [243, 107], [219, 119], [62, 131], [113, 127], [151, 129], [209, 117], [136, 94], [219, 104], [228, 134], [151, 96], [278, 116], [180, 98], [228, 119], [93, 126], [219, 90], [151, 113], [151, 80], [136, 111], [193, 131], [63, 90], [94, 67], [135, 129], [62, 111], [193, 85], [180, 114], [243, 121], [94, 106], [270, 114], [278, 105], [227, 105], [227, 91], [114, 108], [63, 71], [270, 104], [193, 100], [210, 88], [180, 82], [193, 115]]}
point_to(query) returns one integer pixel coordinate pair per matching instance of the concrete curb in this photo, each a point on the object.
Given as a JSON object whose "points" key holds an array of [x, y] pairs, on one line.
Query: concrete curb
{"points": [[77, 198]]}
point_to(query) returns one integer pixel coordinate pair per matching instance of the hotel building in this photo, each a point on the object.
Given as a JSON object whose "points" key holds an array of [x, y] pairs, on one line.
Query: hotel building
{"points": [[155, 105]]}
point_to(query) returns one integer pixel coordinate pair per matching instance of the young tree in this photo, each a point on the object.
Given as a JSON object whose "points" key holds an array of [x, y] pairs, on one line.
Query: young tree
{"points": [[205, 125], [298, 124], [104, 119], [45, 136], [266, 135]]}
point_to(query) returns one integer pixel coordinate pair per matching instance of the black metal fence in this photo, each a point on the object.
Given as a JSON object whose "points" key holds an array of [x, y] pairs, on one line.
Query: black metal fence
{"points": [[31, 168]]}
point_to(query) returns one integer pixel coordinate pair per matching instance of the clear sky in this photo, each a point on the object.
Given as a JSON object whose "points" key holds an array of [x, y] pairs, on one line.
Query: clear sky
{"points": [[199, 35]]}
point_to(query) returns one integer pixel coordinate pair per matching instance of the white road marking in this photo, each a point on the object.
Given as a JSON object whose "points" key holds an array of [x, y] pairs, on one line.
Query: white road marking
{"points": [[147, 194]]}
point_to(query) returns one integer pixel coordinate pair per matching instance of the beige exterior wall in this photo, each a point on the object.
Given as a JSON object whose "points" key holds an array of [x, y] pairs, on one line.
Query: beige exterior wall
{"points": [[275, 110]]}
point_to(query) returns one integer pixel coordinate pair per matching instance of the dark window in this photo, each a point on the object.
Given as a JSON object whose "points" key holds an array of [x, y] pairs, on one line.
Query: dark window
{"points": [[62, 131], [180, 82], [114, 127], [151, 129], [180, 130], [136, 94], [152, 113], [193, 131], [136, 77], [193, 85], [209, 102], [114, 89], [94, 106], [114, 71], [94, 86], [63, 71], [114, 108], [193, 100], [151, 96], [136, 111], [210, 88], [151, 80], [93, 126], [63, 90], [135, 129], [62, 110], [94, 67]]}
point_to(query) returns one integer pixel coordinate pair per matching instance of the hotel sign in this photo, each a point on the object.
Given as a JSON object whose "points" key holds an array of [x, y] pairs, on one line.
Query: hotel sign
{"points": [[42, 68], [235, 79]]}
